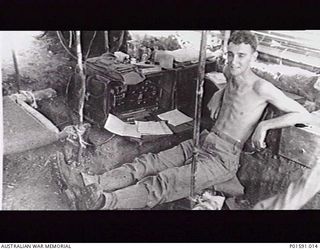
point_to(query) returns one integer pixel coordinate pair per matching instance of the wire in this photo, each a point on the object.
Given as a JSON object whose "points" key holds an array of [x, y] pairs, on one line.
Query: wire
{"points": [[68, 85], [63, 42], [90, 44], [109, 139], [64, 46]]}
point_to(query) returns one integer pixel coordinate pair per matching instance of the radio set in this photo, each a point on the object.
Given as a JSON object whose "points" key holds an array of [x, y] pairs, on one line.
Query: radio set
{"points": [[125, 93], [131, 100]]}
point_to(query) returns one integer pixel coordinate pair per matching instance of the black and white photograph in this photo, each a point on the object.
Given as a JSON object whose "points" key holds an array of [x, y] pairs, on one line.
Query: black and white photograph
{"points": [[161, 120]]}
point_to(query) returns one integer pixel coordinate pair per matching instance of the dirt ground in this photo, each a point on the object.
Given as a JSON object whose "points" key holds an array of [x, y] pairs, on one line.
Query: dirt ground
{"points": [[28, 183]]}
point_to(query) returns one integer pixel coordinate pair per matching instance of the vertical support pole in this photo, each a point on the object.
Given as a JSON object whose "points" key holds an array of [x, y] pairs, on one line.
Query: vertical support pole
{"points": [[82, 76], [82, 92], [15, 63], [225, 40], [120, 40], [106, 41], [197, 115]]}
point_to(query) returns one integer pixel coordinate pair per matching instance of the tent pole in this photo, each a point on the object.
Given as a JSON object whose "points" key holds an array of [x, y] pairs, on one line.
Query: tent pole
{"points": [[197, 113], [106, 41], [82, 76], [80, 126]]}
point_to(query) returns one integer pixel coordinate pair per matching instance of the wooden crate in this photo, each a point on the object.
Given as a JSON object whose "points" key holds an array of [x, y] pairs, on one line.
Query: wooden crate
{"points": [[301, 145]]}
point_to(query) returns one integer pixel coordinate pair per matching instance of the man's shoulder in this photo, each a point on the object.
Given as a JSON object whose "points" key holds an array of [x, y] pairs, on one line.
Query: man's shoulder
{"points": [[262, 87]]}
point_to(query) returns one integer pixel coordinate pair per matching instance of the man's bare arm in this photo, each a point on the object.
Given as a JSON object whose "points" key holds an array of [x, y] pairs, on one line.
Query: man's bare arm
{"points": [[295, 113], [214, 104]]}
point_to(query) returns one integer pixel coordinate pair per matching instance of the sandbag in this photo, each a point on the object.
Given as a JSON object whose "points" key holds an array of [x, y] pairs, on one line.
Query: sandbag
{"points": [[291, 79], [25, 128]]}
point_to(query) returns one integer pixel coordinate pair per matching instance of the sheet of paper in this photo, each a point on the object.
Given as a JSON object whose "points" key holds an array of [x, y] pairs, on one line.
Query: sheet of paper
{"points": [[116, 126], [153, 128], [175, 117]]}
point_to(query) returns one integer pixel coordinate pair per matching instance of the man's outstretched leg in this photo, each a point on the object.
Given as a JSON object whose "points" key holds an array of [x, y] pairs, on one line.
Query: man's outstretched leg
{"points": [[145, 165], [75, 183], [171, 184]]}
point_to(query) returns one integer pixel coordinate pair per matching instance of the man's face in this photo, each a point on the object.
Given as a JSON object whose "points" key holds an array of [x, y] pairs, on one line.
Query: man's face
{"points": [[240, 57]]}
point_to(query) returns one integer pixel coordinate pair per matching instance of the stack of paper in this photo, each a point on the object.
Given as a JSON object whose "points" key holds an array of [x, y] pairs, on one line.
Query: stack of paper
{"points": [[116, 126], [153, 128], [175, 117]]}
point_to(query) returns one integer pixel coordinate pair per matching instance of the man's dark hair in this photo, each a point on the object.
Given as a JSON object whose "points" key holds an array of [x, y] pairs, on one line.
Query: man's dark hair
{"points": [[244, 36]]}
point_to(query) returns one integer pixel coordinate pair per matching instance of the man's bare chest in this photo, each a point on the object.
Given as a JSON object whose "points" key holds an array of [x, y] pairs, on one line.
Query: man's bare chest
{"points": [[244, 99]]}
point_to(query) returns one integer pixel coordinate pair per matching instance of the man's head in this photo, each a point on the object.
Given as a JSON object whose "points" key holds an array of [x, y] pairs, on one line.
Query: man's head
{"points": [[242, 51], [244, 36]]}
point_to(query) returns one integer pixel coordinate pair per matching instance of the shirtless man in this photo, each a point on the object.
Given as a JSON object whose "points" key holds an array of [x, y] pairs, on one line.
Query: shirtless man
{"points": [[153, 179]]}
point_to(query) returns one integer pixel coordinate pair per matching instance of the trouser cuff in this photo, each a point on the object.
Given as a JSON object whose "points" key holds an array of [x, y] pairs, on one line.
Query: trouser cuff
{"points": [[131, 197]]}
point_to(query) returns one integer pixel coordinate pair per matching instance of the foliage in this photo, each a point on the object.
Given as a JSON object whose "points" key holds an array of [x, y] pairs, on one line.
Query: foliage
{"points": [[161, 43]]}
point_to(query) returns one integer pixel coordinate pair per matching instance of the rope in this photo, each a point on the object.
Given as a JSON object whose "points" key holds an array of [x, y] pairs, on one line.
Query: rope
{"points": [[30, 96], [73, 133], [80, 132]]}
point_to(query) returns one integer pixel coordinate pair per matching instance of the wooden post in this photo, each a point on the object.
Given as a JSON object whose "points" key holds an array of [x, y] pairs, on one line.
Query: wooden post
{"points": [[225, 40], [82, 77], [197, 113], [80, 126], [106, 41], [15, 63]]}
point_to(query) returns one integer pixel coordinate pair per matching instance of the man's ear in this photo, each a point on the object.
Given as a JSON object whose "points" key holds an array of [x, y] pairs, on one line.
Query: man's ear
{"points": [[255, 56]]}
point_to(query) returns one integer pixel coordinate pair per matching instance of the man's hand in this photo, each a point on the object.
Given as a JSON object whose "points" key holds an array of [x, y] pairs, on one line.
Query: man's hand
{"points": [[258, 138]]}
